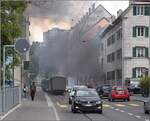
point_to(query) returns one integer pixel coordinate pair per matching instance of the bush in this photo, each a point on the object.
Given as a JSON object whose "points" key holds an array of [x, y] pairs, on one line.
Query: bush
{"points": [[145, 85]]}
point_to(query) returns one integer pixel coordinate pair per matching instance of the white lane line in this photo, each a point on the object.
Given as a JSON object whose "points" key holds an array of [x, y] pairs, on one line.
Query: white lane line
{"points": [[138, 116], [120, 105], [130, 114], [122, 111], [132, 104], [50, 104], [112, 107], [117, 109], [9, 112], [147, 119]]}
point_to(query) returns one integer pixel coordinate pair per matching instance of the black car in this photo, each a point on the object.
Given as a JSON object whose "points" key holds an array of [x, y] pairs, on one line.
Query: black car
{"points": [[104, 90], [75, 88], [86, 100]]}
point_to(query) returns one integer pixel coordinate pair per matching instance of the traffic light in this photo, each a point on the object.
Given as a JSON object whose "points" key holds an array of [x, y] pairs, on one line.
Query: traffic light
{"points": [[26, 65]]}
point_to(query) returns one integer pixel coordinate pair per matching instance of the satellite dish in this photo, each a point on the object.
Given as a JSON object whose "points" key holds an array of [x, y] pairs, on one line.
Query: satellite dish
{"points": [[22, 45]]}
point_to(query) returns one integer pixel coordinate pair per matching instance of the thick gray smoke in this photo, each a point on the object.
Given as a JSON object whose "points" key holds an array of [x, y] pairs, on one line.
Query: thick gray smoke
{"points": [[63, 52]]}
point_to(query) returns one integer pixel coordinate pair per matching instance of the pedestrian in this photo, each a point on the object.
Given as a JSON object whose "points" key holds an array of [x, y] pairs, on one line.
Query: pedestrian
{"points": [[32, 90], [24, 91]]}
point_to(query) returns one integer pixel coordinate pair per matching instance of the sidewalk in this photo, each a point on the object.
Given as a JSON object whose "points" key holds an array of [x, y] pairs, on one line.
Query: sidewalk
{"points": [[32, 111], [138, 97]]}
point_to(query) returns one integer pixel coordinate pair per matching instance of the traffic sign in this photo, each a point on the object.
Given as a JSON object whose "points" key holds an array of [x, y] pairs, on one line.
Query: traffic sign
{"points": [[22, 45]]}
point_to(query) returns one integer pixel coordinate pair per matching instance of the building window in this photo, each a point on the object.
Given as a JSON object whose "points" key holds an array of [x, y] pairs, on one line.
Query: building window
{"points": [[140, 31], [111, 58], [140, 52], [111, 75], [119, 73], [119, 54], [139, 72], [138, 10], [119, 34], [111, 40]]}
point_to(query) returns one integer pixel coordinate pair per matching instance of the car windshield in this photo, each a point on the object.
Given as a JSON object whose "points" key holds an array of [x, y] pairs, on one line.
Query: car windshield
{"points": [[120, 88], [87, 94], [106, 87]]}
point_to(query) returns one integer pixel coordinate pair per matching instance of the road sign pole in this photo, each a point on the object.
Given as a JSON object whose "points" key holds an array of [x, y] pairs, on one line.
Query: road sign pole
{"points": [[4, 69]]}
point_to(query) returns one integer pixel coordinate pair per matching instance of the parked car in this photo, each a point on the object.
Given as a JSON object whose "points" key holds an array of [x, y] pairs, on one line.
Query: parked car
{"points": [[119, 92], [135, 89], [86, 100], [74, 88], [104, 90], [147, 106]]}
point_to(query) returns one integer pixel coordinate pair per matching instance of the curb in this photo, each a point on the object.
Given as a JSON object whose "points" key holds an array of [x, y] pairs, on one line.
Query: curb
{"points": [[9, 112]]}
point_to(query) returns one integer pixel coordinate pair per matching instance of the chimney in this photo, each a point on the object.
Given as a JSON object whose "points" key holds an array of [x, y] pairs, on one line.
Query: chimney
{"points": [[113, 17], [119, 12], [89, 11], [93, 7]]}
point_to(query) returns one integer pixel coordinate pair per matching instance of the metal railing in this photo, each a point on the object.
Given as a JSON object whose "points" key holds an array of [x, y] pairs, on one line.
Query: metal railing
{"points": [[10, 99]]}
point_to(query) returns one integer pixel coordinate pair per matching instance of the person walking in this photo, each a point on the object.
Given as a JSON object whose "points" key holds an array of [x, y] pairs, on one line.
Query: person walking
{"points": [[24, 91], [32, 90]]}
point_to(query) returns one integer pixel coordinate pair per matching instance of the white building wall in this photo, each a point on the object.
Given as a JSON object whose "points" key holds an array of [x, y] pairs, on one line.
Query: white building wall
{"points": [[130, 42]]}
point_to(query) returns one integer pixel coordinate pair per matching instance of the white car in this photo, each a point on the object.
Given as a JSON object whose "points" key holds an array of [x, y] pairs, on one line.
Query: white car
{"points": [[147, 106]]}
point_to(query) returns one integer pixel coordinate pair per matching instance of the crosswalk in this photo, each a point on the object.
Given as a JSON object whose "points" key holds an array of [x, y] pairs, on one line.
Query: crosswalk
{"points": [[104, 105], [122, 105]]}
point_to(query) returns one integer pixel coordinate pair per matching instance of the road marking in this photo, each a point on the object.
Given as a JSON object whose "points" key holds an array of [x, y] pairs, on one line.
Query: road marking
{"points": [[117, 109], [147, 120], [112, 107], [9, 112], [135, 105], [122, 111], [138, 116], [50, 104], [120, 105], [130, 114], [60, 105], [105, 105]]}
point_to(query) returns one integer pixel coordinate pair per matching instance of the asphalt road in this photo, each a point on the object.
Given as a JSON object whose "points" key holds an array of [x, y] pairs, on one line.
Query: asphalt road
{"points": [[112, 111]]}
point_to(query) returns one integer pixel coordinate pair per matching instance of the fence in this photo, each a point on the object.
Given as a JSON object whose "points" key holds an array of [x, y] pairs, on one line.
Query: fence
{"points": [[11, 98]]}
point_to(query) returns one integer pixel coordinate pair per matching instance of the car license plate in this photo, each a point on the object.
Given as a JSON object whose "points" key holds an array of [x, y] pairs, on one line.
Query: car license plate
{"points": [[121, 92], [88, 105]]}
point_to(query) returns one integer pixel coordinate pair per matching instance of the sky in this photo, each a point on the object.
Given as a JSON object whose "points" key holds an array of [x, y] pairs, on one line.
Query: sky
{"points": [[63, 14]]}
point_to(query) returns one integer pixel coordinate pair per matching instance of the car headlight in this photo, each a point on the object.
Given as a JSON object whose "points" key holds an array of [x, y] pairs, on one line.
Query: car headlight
{"points": [[98, 102], [77, 101]]}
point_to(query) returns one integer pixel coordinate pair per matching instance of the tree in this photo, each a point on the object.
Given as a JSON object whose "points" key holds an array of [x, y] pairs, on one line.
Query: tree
{"points": [[145, 85], [11, 18]]}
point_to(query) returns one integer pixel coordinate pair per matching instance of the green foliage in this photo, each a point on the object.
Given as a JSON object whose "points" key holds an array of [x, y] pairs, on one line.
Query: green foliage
{"points": [[145, 84], [11, 16]]}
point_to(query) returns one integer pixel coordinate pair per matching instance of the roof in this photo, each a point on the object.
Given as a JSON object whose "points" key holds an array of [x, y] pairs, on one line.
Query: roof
{"points": [[121, 17], [116, 21]]}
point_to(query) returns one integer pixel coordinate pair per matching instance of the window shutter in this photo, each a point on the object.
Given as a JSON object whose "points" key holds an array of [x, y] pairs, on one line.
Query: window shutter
{"points": [[146, 31], [134, 31], [134, 52], [134, 72], [147, 11], [146, 52], [134, 10]]}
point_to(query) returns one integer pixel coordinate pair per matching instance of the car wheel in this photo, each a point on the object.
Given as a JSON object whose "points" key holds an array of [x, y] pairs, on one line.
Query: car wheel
{"points": [[147, 111], [73, 109], [128, 99], [100, 111]]}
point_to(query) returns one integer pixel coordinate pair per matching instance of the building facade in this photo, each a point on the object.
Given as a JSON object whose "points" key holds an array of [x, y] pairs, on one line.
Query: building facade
{"points": [[124, 51]]}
